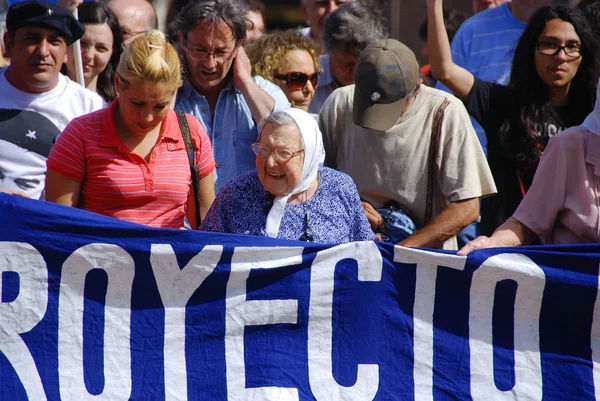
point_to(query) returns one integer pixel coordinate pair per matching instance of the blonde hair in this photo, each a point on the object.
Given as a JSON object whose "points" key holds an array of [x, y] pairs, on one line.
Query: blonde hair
{"points": [[268, 50], [149, 58]]}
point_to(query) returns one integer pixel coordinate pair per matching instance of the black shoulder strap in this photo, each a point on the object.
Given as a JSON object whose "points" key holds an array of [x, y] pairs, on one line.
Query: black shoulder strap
{"points": [[189, 146], [433, 151]]}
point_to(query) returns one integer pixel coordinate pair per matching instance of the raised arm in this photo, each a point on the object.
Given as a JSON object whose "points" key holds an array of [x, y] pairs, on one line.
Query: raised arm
{"points": [[259, 101], [457, 79]]}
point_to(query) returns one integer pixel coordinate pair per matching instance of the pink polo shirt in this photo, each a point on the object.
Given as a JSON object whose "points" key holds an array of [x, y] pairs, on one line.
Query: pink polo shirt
{"points": [[563, 202], [119, 183]]}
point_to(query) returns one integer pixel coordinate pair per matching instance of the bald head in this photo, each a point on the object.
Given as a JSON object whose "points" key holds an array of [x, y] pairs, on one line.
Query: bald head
{"points": [[135, 17]]}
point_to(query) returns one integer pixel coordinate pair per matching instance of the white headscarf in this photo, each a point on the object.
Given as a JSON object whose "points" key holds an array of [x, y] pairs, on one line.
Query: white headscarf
{"points": [[592, 121], [314, 156]]}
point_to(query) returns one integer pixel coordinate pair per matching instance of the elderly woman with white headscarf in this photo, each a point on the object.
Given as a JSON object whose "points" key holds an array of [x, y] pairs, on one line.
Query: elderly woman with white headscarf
{"points": [[290, 195], [563, 202]]}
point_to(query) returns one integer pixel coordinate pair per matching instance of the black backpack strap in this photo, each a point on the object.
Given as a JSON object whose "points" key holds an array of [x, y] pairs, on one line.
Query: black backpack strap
{"points": [[189, 146]]}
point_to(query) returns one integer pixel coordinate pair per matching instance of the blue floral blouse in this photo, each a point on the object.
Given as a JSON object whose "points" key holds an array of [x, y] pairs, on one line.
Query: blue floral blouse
{"points": [[335, 212]]}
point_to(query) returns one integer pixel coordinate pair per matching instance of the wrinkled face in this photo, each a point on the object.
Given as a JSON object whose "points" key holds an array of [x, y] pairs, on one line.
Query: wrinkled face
{"points": [[258, 26], [297, 61], [280, 178], [96, 51], [37, 55], [143, 106], [342, 66], [209, 50], [557, 71], [317, 11]]}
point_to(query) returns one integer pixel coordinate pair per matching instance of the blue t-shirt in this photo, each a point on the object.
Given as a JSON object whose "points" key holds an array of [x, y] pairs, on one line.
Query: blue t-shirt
{"points": [[336, 214]]}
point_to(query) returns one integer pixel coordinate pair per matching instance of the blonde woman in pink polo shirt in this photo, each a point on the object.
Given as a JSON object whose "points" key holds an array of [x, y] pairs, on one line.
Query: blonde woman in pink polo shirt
{"points": [[129, 160]]}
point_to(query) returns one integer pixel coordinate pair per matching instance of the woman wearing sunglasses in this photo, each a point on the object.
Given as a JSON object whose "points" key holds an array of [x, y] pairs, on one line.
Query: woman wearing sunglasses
{"points": [[290, 194], [552, 86], [289, 60]]}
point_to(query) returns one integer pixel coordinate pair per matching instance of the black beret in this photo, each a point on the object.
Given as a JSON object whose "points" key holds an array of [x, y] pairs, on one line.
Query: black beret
{"points": [[48, 15]]}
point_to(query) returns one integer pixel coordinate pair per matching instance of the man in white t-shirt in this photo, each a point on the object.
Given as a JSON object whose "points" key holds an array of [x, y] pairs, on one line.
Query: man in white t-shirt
{"points": [[379, 132], [37, 102]]}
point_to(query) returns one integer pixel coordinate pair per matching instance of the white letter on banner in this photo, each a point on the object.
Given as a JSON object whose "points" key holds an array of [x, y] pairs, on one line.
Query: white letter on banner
{"points": [[25, 312], [426, 278], [320, 322], [531, 282], [240, 313], [120, 268], [176, 286], [595, 342]]}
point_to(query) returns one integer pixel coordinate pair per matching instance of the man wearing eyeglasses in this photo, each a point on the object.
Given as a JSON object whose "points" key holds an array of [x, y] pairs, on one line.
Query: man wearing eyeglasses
{"points": [[220, 90]]}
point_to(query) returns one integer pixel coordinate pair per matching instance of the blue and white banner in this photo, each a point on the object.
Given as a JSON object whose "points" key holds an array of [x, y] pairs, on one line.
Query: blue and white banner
{"points": [[92, 308]]}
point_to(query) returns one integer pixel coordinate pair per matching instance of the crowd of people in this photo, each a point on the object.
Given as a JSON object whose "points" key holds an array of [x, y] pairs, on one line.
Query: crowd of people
{"points": [[331, 133]]}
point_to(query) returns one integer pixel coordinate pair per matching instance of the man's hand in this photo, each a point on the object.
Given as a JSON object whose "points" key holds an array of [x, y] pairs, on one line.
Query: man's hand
{"points": [[511, 233], [261, 104], [70, 5], [242, 69], [480, 242], [374, 218]]}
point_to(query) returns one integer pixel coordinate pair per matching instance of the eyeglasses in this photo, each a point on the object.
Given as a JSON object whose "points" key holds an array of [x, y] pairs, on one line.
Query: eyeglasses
{"points": [[128, 34], [281, 154], [202, 54], [297, 80], [572, 50]]}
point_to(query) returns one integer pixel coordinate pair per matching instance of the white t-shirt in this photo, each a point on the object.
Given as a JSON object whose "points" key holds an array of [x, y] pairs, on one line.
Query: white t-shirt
{"points": [[392, 165], [29, 123]]}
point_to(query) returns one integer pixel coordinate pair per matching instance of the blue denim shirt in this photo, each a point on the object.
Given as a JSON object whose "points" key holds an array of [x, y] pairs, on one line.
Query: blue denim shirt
{"points": [[325, 88], [233, 129]]}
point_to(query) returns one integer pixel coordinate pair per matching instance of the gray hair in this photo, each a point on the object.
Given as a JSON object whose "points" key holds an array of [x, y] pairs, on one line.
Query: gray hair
{"points": [[280, 119], [230, 12], [352, 27]]}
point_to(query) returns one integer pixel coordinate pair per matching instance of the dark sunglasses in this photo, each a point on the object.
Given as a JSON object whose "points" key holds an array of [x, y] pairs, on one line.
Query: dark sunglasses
{"points": [[297, 80]]}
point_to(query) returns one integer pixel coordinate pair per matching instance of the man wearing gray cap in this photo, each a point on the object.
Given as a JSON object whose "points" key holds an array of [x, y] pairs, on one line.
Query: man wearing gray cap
{"points": [[406, 145], [37, 102]]}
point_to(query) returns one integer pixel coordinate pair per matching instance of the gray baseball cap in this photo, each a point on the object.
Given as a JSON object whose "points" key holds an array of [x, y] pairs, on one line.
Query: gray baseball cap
{"points": [[386, 72]]}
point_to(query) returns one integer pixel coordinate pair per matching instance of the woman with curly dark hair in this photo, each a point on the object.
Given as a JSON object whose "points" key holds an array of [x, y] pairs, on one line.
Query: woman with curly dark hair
{"points": [[552, 86]]}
